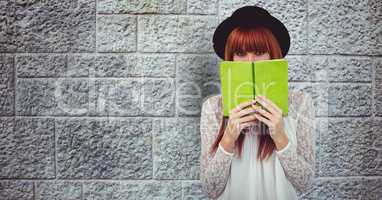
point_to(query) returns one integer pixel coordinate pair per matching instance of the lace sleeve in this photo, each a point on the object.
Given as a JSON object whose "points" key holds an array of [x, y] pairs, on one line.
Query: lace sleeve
{"points": [[214, 169], [298, 161]]}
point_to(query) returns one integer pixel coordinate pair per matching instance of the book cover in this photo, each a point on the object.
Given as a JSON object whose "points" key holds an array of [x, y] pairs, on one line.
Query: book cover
{"points": [[242, 80]]}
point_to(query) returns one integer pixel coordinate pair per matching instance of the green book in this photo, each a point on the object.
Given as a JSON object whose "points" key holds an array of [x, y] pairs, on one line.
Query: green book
{"points": [[243, 80]]}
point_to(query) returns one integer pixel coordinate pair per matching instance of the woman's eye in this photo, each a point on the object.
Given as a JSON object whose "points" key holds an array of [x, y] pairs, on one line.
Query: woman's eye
{"points": [[239, 53], [260, 53]]}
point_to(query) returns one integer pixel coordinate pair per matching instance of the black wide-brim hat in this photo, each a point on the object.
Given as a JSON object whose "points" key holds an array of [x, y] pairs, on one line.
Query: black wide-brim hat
{"points": [[250, 16]]}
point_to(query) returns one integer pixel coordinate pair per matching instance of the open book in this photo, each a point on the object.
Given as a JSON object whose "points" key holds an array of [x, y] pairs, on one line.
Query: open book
{"points": [[243, 80]]}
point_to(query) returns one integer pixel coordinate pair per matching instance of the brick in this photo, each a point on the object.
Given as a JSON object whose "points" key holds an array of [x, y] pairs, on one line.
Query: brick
{"points": [[116, 66], [7, 27], [90, 148], [133, 190], [44, 65], [354, 69], [63, 190], [7, 86], [116, 33], [158, 97], [28, 148], [58, 97], [349, 100], [175, 33], [176, 148], [141, 7], [55, 26], [11, 190]]}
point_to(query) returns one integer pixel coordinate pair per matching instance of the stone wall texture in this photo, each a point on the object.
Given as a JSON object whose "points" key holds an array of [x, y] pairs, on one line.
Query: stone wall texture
{"points": [[100, 99]]}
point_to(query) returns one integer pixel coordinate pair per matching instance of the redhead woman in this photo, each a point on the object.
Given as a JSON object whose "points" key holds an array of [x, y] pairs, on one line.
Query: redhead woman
{"points": [[255, 153]]}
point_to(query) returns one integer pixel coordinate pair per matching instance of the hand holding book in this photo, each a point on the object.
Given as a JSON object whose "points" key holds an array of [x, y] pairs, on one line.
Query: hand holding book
{"points": [[247, 114], [272, 117], [240, 118]]}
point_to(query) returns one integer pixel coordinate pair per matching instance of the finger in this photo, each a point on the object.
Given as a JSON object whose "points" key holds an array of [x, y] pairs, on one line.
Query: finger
{"points": [[265, 113], [243, 112], [266, 121], [243, 105], [246, 111], [247, 118], [268, 104]]}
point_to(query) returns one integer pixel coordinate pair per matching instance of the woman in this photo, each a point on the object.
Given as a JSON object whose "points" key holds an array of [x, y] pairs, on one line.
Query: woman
{"points": [[240, 159]]}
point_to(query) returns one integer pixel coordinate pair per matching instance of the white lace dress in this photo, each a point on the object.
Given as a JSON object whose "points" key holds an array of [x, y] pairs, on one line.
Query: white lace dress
{"points": [[251, 179]]}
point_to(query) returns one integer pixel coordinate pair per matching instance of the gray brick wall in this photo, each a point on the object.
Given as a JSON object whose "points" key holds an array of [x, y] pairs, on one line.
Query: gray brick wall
{"points": [[101, 99]]}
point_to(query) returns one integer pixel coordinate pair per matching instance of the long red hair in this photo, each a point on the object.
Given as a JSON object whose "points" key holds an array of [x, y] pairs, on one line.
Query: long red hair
{"points": [[258, 39]]}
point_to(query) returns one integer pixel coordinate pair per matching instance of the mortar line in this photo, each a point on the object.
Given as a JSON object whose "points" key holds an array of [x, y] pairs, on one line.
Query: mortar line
{"points": [[34, 191], [373, 82], [14, 83], [55, 148]]}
